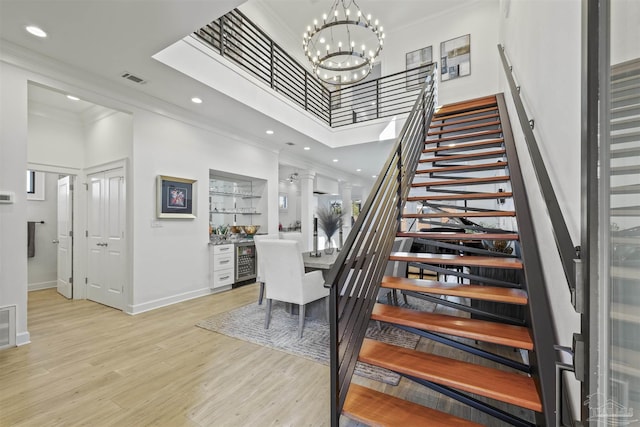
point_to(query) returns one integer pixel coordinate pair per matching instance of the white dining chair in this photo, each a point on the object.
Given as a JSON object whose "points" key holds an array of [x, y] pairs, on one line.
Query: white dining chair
{"points": [[260, 269], [286, 280]]}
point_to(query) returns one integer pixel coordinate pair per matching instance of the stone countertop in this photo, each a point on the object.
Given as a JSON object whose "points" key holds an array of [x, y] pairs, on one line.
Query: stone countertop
{"points": [[229, 241]]}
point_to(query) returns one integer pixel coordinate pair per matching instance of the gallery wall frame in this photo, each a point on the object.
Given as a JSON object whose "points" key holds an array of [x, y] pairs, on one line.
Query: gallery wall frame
{"points": [[175, 197], [455, 57], [415, 59]]}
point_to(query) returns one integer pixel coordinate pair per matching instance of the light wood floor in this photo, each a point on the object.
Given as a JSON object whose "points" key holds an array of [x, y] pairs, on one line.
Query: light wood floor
{"points": [[92, 365]]}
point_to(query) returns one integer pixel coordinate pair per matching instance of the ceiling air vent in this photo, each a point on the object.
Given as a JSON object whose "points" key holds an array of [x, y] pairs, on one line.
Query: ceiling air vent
{"points": [[133, 78]]}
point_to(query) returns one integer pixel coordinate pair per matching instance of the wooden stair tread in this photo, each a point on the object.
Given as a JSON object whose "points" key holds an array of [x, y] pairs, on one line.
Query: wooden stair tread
{"points": [[467, 120], [466, 156], [621, 170], [625, 152], [624, 272], [625, 313], [461, 260], [625, 360], [479, 292], [463, 128], [465, 106], [465, 136], [462, 181], [485, 143], [475, 329], [510, 387], [458, 236], [477, 114], [626, 240], [372, 407], [465, 196], [626, 189], [483, 214], [464, 168]]}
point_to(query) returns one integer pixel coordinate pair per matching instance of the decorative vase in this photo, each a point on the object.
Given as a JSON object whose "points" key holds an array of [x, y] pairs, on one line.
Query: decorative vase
{"points": [[329, 248]]}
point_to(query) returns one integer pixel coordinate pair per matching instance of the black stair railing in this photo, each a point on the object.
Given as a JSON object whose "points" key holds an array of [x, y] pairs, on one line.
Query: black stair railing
{"points": [[539, 317], [355, 278], [235, 37]]}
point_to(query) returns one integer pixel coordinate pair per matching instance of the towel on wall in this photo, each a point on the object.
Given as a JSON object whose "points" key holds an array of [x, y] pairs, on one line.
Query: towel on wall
{"points": [[31, 237]]}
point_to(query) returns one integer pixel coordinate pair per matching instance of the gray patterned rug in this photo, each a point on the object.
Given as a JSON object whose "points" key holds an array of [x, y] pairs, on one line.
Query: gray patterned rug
{"points": [[247, 324]]}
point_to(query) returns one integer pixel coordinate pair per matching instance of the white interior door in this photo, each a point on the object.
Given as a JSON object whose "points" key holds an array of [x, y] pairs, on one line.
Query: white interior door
{"points": [[64, 237], [105, 225]]}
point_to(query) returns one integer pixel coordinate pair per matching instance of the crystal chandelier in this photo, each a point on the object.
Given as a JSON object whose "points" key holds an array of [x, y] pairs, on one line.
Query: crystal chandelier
{"points": [[343, 45]]}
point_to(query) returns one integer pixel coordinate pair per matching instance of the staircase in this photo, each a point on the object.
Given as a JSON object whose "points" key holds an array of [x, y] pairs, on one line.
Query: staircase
{"points": [[463, 236], [623, 201]]}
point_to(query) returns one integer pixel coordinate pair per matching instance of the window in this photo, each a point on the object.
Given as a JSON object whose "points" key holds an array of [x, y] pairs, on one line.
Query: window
{"points": [[35, 185], [31, 182]]}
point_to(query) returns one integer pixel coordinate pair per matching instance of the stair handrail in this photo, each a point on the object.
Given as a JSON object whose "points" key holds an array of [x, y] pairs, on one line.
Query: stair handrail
{"points": [[355, 278], [238, 39], [567, 250]]}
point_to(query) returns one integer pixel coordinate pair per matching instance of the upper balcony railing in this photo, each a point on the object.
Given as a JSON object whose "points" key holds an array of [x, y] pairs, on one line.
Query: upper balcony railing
{"points": [[241, 41]]}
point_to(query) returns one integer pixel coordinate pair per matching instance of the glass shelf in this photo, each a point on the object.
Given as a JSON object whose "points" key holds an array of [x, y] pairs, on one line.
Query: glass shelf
{"points": [[241, 195], [234, 213]]}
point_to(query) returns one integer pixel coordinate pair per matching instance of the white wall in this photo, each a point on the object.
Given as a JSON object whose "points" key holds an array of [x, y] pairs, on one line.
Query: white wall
{"points": [[542, 42], [480, 20], [551, 94], [170, 256], [292, 191], [55, 137], [43, 267], [108, 138], [13, 162]]}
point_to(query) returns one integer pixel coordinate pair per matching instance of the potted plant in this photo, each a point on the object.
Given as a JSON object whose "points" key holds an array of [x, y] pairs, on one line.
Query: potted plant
{"points": [[330, 221]]}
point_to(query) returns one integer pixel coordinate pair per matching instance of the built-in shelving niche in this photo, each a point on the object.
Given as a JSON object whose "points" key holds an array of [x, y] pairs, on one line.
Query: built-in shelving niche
{"points": [[237, 200]]}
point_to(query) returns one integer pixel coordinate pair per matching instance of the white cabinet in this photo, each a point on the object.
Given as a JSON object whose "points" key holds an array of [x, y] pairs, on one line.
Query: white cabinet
{"points": [[221, 266]]}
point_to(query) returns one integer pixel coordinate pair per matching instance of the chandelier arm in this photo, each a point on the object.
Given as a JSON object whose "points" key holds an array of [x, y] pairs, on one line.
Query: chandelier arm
{"points": [[323, 46]]}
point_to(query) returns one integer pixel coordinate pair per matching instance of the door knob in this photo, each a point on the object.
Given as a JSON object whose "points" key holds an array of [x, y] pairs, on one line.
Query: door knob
{"points": [[56, 241]]}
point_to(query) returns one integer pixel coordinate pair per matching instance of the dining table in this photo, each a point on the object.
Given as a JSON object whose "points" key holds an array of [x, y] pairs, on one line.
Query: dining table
{"points": [[322, 262]]}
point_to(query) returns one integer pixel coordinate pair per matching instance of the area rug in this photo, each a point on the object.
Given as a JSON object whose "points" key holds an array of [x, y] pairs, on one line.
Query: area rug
{"points": [[247, 323]]}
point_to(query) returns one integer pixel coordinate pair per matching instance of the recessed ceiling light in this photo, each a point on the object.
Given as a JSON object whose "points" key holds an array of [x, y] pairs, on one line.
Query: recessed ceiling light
{"points": [[270, 132], [335, 160], [307, 148], [196, 100], [73, 98], [358, 170], [36, 31], [374, 176]]}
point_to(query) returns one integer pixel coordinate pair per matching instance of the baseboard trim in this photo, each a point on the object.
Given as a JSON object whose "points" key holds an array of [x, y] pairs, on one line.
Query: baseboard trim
{"points": [[41, 285], [163, 302], [23, 338]]}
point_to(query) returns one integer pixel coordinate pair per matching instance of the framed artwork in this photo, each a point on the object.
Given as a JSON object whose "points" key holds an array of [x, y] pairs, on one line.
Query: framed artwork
{"points": [[416, 59], [174, 197], [455, 58]]}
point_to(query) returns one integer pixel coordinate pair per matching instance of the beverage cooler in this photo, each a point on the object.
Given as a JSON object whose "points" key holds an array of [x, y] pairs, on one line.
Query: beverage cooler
{"points": [[246, 262]]}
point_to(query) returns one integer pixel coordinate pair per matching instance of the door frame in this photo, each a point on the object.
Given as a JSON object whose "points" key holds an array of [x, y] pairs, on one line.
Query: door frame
{"points": [[127, 302], [78, 266]]}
